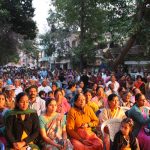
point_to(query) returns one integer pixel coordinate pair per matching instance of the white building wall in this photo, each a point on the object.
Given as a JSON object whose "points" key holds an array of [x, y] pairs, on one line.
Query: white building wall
{"points": [[73, 40]]}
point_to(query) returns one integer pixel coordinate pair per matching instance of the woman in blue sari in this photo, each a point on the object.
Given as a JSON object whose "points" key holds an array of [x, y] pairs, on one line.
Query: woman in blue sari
{"points": [[140, 116]]}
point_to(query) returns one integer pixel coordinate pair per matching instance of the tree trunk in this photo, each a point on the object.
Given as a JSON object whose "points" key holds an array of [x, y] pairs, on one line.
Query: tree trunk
{"points": [[139, 16], [124, 51], [82, 33]]}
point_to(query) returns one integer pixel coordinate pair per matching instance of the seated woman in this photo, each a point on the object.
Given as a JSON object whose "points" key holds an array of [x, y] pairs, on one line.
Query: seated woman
{"points": [[140, 84], [94, 87], [3, 110], [100, 99], [81, 118], [140, 116], [88, 96], [126, 99], [53, 128], [62, 104], [22, 125], [112, 111]]}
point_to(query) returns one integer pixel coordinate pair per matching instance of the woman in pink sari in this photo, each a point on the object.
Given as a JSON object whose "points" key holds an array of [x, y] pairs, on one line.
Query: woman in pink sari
{"points": [[80, 120], [62, 104], [100, 99]]}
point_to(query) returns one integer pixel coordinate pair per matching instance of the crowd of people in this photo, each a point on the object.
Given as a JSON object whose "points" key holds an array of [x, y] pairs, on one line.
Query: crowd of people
{"points": [[64, 109]]}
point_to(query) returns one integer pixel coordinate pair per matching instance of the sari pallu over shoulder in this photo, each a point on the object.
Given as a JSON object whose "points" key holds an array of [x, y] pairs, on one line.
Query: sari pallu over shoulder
{"points": [[56, 122], [54, 127], [18, 112]]}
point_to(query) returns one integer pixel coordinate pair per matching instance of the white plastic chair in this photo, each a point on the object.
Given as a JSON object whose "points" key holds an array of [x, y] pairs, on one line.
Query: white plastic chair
{"points": [[125, 108], [146, 107], [113, 126]]}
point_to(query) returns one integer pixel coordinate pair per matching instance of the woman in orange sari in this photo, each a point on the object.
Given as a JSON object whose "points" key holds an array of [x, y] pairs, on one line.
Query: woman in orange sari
{"points": [[80, 120]]}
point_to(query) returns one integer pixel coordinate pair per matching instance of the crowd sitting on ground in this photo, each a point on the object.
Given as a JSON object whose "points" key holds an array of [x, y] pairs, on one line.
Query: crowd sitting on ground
{"points": [[64, 110]]}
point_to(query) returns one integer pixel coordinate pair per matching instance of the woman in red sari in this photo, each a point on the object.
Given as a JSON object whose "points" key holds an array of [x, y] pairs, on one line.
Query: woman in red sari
{"points": [[140, 84]]}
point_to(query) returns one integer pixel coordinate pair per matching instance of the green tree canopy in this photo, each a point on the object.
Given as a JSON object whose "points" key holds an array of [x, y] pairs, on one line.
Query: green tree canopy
{"points": [[127, 23], [84, 17], [15, 23]]}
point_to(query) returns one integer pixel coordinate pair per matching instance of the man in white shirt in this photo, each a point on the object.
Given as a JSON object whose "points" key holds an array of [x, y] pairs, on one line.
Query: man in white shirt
{"points": [[18, 88], [44, 87], [115, 83], [111, 90], [35, 102]]}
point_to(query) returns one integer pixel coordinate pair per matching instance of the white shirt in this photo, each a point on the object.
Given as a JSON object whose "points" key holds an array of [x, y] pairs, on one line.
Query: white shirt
{"points": [[18, 90], [116, 85], [46, 89], [38, 105]]}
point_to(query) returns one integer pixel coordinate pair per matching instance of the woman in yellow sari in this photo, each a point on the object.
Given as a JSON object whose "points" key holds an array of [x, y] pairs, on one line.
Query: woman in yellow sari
{"points": [[88, 96], [80, 120]]}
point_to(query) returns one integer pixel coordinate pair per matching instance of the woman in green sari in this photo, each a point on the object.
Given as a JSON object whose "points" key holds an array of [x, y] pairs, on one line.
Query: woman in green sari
{"points": [[53, 128], [22, 125]]}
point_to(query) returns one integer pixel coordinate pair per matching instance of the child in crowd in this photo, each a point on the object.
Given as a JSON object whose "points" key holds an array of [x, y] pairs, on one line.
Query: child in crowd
{"points": [[42, 95], [124, 140]]}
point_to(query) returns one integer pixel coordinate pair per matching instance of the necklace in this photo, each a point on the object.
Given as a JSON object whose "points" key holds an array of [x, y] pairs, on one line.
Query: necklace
{"points": [[127, 142]]}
